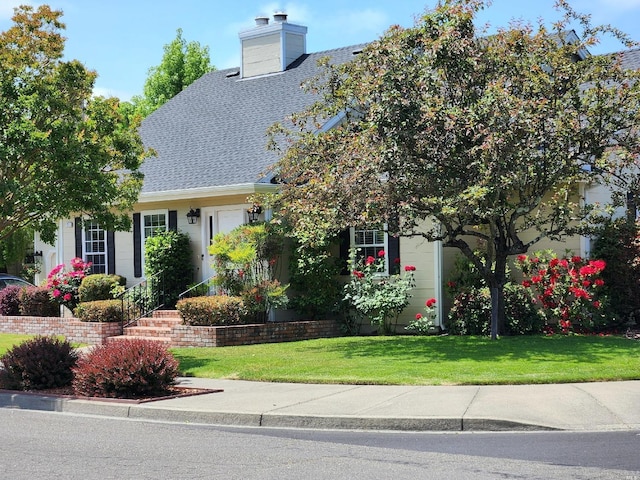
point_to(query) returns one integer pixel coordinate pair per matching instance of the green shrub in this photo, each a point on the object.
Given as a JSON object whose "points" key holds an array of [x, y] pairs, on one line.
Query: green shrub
{"points": [[103, 311], [471, 312], [37, 364], [99, 286], [37, 302], [10, 300], [214, 310], [169, 252], [126, 369], [618, 244]]}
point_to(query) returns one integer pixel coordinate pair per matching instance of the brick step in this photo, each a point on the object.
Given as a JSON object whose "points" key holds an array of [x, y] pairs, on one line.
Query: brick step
{"points": [[120, 338], [159, 322], [147, 331]]}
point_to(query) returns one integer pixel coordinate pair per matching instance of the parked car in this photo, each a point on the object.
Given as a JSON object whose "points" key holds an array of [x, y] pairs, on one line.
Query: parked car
{"points": [[6, 280]]}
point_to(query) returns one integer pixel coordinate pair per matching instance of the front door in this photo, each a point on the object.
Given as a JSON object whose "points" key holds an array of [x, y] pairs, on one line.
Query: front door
{"points": [[218, 220]]}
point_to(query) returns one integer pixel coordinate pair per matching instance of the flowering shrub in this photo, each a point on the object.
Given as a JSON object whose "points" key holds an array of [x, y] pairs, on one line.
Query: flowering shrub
{"points": [[379, 298], [245, 260], [423, 324], [568, 289], [64, 284]]}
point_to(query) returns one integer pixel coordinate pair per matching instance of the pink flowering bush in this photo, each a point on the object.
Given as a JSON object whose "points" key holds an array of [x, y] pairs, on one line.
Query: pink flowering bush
{"points": [[63, 284], [376, 296], [568, 290]]}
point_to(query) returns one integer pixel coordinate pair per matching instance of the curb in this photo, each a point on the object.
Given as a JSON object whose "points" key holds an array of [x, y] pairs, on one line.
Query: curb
{"points": [[24, 401]]}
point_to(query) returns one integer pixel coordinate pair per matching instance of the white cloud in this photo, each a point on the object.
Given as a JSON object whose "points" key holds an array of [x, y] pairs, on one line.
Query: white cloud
{"points": [[109, 92]]}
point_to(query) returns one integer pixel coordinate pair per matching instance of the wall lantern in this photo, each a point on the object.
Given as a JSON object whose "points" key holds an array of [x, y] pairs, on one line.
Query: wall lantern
{"points": [[193, 216], [254, 212]]}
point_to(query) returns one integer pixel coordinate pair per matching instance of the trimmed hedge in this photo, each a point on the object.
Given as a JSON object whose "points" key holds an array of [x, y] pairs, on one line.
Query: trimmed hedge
{"points": [[103, 311], [37, 302], [38, 364], [10, 300], [213, 310], [126, 369], [99, 286]]}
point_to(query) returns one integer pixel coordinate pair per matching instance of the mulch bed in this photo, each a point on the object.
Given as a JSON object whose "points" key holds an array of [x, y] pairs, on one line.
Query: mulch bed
{"points": [[67, 393]]}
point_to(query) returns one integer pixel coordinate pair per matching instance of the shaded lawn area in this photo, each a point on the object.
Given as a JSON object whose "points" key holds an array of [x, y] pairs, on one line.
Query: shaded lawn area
{"points": [[406, 360]]}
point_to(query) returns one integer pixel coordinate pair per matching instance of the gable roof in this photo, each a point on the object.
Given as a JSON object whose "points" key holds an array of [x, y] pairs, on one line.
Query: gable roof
{"points": [[213, 133]]}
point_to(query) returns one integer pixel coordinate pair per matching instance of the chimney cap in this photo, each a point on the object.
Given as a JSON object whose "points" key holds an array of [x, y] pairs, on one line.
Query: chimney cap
{"points": [[280, 17], [262, 20]]}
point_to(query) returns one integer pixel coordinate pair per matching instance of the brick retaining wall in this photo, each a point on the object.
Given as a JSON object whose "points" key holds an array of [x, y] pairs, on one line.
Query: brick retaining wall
{"points": [[73, 329], [187, 336]]}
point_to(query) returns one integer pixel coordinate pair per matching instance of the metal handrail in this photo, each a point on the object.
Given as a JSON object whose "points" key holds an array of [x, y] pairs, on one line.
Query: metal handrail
{"points": [[197, 289], [143, 299]]}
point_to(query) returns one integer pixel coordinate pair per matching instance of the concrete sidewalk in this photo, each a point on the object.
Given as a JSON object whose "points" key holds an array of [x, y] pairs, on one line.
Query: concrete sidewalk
{"points": [[574, 407]]}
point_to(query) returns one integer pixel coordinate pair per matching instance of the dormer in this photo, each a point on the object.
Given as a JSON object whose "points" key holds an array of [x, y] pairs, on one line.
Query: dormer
{"points": [[271, 47]]}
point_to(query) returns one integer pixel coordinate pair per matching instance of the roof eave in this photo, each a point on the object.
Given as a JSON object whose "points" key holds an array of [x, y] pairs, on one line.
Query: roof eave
{"points": [[204, 192]]}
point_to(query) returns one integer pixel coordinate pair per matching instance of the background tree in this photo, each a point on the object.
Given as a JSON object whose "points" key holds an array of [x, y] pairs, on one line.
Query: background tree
{"points": [[182, 64], [62, 152], [453, 135]]}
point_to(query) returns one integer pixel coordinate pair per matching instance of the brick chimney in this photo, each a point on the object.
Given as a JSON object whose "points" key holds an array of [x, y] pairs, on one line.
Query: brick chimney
{"points": [[271, 47]]}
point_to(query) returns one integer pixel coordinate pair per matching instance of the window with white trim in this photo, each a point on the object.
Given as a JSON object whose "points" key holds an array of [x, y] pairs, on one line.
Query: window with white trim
{"points": [[152, 224], [95, 246], [369, 242]]}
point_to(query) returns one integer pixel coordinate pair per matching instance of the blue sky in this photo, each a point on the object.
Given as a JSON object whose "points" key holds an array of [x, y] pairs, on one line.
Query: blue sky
{"points": [[121, 39]]}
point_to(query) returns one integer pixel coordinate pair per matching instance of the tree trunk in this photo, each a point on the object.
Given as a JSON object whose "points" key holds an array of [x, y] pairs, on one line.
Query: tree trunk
{"points": [[496, 287]]}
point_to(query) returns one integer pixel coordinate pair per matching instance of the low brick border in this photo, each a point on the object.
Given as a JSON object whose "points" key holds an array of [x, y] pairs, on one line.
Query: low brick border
{"points": [[271, 332], [73, 329]]}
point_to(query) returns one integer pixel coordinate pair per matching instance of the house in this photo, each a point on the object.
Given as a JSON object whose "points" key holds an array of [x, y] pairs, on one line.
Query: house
{"points": [[211, 156]]}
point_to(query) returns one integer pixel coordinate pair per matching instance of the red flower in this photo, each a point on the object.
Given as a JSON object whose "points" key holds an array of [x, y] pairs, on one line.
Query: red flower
{"points": [[522, 258], [576, 259], [358, 274], [598, 264], [536, 279], [370, 260], [586, 283], [596, 304], [409, 268], [430, 303], [526, 283], [66, 297], [381, 253], [580, 293], [418, 316], [554, 262], [451, 284], [564, 263], [397, 261], [599, 282]]}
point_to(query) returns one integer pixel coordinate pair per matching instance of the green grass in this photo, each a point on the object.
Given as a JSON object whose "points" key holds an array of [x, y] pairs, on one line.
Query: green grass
{"points": [[404, 360], [8, 340]]}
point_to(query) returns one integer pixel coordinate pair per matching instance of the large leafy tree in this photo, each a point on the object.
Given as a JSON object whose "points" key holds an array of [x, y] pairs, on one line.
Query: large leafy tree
{"points": [[62, 151], [450, 134], [182, 64]]}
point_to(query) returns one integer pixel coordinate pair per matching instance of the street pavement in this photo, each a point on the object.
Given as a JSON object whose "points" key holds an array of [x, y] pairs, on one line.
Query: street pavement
{"points": [[603, 406]]}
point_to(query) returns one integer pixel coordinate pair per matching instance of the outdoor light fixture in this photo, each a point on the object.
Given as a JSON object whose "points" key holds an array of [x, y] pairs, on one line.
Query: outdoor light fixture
{"points": [[254, 212], [193, 216]]}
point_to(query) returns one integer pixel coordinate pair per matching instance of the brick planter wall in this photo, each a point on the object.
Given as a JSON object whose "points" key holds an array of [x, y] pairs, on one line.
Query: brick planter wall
{"points": [[73, 329], [187, 336]]}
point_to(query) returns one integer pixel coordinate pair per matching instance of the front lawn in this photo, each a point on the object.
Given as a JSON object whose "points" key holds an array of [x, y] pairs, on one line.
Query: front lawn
{"points": [[405, 360], [8, 340]]}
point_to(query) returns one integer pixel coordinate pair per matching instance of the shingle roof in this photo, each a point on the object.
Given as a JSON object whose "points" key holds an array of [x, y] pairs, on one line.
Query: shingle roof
{"points": [[631, 59], [214, 132]]}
